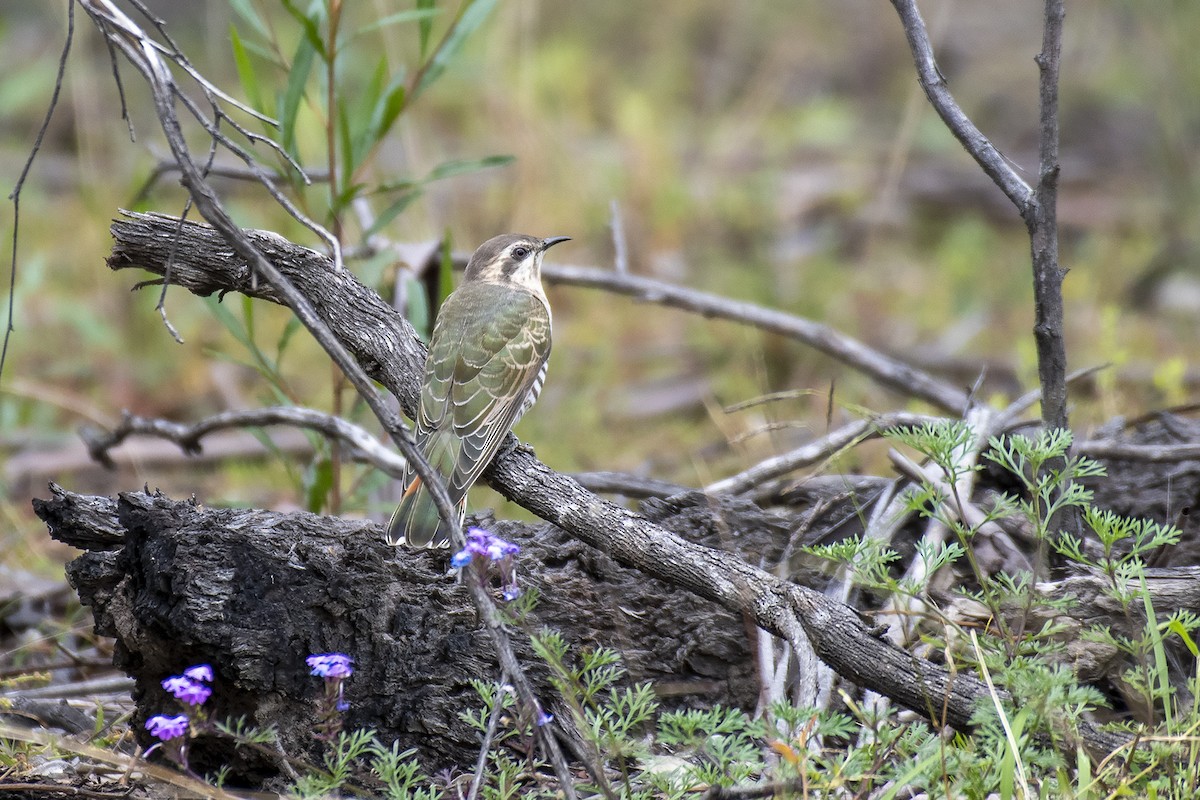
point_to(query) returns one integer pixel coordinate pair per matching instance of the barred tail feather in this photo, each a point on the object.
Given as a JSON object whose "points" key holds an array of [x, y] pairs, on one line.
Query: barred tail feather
{"points": [[416, 521]]}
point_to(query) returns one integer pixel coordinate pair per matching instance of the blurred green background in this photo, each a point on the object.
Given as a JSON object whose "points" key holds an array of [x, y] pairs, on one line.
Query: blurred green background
{"points": [[775, 152]]}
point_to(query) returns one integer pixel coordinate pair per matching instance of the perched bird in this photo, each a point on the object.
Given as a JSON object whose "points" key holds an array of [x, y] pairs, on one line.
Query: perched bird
{"points": [[485, 368]]}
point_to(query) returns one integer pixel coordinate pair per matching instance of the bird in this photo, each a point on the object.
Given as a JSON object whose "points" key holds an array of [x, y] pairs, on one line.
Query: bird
{"points": [[485, 368]]}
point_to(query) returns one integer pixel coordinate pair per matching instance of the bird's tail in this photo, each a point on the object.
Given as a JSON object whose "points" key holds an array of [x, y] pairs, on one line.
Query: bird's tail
{"points": [[416, 521]]}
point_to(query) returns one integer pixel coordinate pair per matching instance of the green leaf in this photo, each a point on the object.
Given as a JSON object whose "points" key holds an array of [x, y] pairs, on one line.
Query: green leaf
{"points": [[310, 22], [411, 190], [472, 16], [285, 338], [412, 15], [345, 146], [449, 169], [245, 70], [246, 11], [384, 104], [387, 109], [403, 201], [320, 483], [289, 106], [426, 24]]}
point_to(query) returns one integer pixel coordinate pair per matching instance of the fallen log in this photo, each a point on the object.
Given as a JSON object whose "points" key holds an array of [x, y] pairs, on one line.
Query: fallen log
{"points": [[252, 593]]}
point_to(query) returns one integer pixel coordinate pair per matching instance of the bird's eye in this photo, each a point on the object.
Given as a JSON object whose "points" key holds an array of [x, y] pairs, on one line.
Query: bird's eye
{"points": [[520, 252]]}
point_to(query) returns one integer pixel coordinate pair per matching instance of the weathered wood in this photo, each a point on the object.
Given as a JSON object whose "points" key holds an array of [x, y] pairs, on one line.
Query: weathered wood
{"points": [[254, 592]]}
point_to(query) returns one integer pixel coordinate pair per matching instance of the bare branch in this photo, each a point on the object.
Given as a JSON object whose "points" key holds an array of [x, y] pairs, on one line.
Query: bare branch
{"points": [[891, 372], [188, 437], [1146, 453], [970, 137], [1043, 232], [817, 450]]}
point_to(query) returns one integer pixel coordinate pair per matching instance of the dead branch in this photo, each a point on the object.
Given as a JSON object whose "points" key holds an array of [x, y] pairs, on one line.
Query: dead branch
{"points": [[1037, 207], [365, 447], [896, 375]]}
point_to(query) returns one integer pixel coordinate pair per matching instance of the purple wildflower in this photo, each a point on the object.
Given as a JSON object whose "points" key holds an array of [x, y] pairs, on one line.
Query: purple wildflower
{"points": [[481, 543], [543, 718], [166, 728], [187, 690], [331, 665], [202, 673]]}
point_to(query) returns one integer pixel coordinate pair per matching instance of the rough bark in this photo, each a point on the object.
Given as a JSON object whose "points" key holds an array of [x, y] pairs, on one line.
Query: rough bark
{"points": [[253, 592]]}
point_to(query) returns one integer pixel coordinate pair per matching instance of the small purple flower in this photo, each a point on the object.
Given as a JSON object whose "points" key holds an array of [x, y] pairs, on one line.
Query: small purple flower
{"points": [[481, 543], [187, 690], [202, 673], [166, 728], [331, 665], [544, 719], [511, 592]]}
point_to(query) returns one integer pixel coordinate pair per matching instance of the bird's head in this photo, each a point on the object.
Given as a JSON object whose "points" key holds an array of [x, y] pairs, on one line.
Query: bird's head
{"points": [[511, 259]]}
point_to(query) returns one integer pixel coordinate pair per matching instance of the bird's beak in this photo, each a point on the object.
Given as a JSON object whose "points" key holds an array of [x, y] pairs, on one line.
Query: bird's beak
{"points": [[553, 240]]}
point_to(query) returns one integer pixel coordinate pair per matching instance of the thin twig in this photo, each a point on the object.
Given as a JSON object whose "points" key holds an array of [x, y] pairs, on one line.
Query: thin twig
{"points": [[486, 745], [891, 372], [972, 139], [813, 452], [15, 195], [188, 436], [1043, 231]]}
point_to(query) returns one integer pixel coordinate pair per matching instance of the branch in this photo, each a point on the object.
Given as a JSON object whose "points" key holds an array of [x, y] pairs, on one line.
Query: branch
{"points": [[1043, 232], [891, 372], [825, 447], [188, 436], [1038, 207], [970, 137]]}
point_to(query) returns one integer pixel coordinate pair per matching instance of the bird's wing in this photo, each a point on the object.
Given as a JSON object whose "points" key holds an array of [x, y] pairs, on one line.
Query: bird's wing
{"points": [[488, 350]]}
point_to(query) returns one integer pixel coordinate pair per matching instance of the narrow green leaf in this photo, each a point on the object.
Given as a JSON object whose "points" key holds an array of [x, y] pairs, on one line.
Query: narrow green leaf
{"points": [[228, 321], [449, 169], [245, 71], [345, 145], [412, 15], [246, 11], [289, 106], [387, 109], [417, 311], [364, 123], [320, 483], [391, 187], [285, 339], [394, 210], [310, 23], [426, 24], [471, 18], [348, 194]]}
